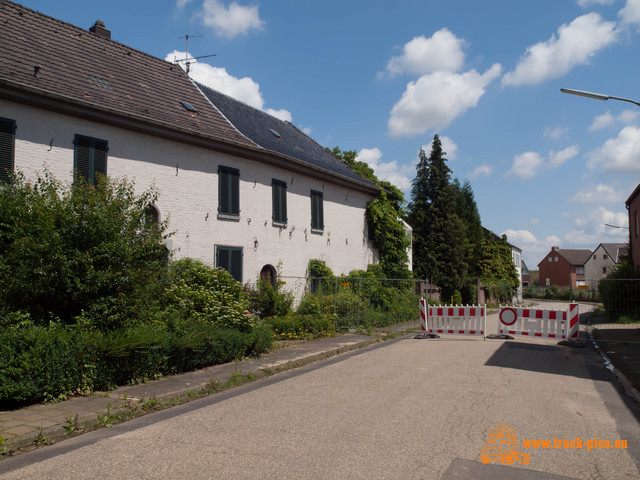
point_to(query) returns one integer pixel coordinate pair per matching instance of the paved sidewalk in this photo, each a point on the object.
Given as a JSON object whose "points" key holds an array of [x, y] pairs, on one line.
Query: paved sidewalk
{"points": [[22, 427]]}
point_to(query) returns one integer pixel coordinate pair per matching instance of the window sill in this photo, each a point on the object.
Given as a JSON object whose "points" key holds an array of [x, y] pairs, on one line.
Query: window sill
{"points": [[317, 231], [226, 216], [279, 224]]}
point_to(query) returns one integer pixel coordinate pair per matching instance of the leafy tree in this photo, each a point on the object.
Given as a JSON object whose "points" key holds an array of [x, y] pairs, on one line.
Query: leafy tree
{"points": [[77, 253], [496, 266], [441, 245], [384, 215]]}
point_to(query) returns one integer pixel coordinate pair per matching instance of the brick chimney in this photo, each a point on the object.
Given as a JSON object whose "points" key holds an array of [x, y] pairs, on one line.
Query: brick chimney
{"points": [[99, 29], [555, 248]]}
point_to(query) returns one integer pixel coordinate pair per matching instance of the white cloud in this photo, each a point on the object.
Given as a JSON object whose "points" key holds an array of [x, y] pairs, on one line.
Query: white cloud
{"points": [[601, 121], [483, 170], [232, 20], [449, 148], [606, 119], [555, 132], [618, 154], [525, 165], [533, 248], [534, 221], [628, 116], [282, 114], [436, 99], [244, 89], [181, 3], [575, 44], [441, 52], [586, 3], [558, 158], [591, 230], [398, 175], [599, 195], [630, 13]]}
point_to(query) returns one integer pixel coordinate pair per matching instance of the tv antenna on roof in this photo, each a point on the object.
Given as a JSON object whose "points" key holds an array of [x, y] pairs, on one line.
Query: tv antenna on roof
{"points": [[189, 60]]}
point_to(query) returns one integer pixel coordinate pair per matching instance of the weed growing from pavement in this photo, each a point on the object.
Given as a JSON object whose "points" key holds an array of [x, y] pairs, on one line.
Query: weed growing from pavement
{"points": [[72, 425]]}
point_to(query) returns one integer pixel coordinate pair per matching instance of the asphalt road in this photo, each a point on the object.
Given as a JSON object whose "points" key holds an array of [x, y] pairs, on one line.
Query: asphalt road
{"points": [[405, 409]]}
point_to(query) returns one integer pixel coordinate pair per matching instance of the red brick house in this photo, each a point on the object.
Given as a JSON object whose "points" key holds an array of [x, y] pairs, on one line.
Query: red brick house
{"points": [[563, 267], [633, 206]]}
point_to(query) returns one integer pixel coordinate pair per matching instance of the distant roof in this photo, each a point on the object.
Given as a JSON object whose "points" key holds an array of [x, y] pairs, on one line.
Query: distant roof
{"points": [[573, 256], [488, 232], [633, 195], [279, 136], [615, 250], [45, 56]]}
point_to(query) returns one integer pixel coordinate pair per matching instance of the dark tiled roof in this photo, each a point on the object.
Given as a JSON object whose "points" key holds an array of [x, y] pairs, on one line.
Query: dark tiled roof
{"points": [[574, 257], [279, 136], [615, 250], [81, 67]]}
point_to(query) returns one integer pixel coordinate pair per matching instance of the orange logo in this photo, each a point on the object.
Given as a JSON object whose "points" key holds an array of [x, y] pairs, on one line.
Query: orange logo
{"points": [[502, 446]]}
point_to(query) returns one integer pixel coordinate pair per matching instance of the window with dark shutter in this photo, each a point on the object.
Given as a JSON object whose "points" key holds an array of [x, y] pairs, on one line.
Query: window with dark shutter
{"points": [[230, 258], [7, 148], [228, 190], [90, 158], [317, 211], [279, 194]]}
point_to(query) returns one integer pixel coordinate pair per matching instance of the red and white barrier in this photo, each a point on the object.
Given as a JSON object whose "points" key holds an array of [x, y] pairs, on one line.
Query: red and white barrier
{"points": [[470, 320], [543, 323]]}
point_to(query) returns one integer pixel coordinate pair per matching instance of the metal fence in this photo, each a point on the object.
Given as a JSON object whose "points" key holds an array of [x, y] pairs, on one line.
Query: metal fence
{"points": [[357, 302], [619, 298]]}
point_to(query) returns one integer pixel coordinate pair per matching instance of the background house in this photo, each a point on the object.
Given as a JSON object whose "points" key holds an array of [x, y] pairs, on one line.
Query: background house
{"points": [[516, 258], [254, 196], [563, 267], [633, 206], [604, 259]]}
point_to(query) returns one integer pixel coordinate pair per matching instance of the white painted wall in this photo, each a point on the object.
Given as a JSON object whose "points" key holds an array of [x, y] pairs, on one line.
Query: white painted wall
{"points": [[594, 265], [187, 180]]}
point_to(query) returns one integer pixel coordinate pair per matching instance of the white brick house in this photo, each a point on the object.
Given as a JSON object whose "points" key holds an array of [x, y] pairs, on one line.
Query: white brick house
{"points": [[69, 96]]}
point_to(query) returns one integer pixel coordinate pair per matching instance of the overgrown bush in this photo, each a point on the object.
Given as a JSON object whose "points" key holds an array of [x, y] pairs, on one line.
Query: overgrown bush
{"points": [[269, 300], [198, 292], [82, 250]]}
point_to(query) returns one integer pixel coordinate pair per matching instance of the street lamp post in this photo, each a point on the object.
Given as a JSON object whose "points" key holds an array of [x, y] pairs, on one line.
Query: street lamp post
{"points": [[597, 96]]}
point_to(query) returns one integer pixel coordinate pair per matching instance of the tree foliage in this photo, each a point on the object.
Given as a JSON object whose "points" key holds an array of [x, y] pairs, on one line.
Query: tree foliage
{"points": [[496, 267], [446, 225], [384, 218], [85, 250]]}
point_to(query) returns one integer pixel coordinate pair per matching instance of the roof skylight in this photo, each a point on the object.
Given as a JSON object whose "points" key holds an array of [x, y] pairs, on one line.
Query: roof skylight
{"points": [[189, 107], [275, 134]]}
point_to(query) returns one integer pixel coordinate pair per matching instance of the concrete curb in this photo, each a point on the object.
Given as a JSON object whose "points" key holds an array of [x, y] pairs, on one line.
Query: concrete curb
{"points": [[39, 425], [627, 386]]}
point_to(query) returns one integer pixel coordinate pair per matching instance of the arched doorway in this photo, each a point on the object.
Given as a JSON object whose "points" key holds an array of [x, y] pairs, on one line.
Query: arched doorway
{"points": [[269, 274]]}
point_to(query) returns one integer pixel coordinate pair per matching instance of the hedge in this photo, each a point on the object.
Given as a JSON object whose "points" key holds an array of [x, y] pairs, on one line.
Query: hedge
{"points": [[50, 363]]}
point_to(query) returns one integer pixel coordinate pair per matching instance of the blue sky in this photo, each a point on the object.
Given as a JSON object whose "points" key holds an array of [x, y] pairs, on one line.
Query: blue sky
{"points": [[382, 78]]}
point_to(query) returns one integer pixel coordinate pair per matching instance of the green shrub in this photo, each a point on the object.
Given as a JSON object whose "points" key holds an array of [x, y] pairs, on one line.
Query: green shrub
{"points": [[80, 250], [301, 326], [269, 301], [45, 363], [199, 292]]}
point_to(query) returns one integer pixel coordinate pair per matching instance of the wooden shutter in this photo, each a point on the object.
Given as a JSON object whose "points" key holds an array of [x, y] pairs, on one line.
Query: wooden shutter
{"points": [[7, 147], [279, 189], [82, 160], [230, 258], [99, 158], [317, 210], [228, 190]]}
